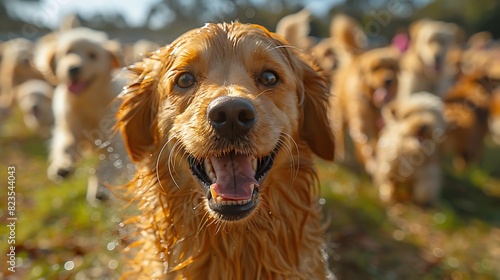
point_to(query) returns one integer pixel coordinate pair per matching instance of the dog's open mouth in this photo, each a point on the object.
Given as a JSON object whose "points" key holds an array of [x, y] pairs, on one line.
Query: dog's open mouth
{"points": [[232, 182], [77, 87]]}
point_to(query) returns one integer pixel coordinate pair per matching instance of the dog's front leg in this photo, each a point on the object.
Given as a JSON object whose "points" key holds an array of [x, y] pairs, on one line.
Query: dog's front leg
{"points": [[63, 155]]}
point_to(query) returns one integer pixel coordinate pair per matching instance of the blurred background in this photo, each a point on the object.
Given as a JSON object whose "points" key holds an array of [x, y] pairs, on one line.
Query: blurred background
{"points": [[159, 20], [60, 236]]}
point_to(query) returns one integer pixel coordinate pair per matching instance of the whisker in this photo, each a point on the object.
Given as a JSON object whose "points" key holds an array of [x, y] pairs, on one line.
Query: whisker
{"points": [[291, 154], [158, 163], [170, 164], [263, 92]]}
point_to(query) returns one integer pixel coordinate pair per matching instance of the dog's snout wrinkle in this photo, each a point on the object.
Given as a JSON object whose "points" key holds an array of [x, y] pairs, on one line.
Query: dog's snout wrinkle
{"points": [[231, 116]]}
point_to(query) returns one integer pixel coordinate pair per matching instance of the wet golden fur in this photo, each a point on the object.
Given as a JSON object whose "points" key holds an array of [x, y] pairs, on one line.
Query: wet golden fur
{"points": [[178, 236]]}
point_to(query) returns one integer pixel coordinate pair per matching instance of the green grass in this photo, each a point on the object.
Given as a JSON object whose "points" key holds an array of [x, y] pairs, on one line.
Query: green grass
{"points": [[59, 236]]}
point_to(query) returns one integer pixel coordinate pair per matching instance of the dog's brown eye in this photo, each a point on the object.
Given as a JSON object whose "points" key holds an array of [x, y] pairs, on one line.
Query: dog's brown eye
{"points": [[268, 78], [185, 80]]}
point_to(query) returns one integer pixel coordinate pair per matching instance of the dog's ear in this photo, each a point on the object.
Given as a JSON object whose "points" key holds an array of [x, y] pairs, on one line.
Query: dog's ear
{"points": [[136, 117], [316, 128], [414, 29], [45, 58], [114, 49]]}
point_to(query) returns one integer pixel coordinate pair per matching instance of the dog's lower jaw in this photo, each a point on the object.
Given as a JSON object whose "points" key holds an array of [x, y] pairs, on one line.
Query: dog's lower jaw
{"points": [[281, 239]]}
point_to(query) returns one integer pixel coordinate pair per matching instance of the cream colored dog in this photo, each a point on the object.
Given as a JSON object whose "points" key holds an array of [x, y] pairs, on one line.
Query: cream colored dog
{"points": [[409, 150], [34, 98], [16, 67], [424, 66], [81, 61]]}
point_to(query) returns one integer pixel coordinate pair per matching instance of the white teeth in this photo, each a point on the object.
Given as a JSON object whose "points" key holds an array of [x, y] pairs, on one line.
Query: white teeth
{"points": [[252, 186], [209, 169], [208, 165], [254, 164], [221, 201], [212, 177]]}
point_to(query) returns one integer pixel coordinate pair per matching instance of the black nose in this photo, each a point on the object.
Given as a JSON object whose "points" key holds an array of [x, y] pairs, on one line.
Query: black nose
{"points": [[74, 71], [231, 117], [388, 82]]}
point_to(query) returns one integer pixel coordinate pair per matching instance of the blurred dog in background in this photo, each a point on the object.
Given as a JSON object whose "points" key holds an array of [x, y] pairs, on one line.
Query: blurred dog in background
{"points": [[80, 62], [409, 150]]}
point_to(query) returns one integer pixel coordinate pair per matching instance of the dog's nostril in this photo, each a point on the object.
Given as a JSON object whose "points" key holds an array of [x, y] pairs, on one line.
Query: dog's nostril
{"points": [[218, 117], [388, 82], [246, 116], [231, 116], [73, 71]]}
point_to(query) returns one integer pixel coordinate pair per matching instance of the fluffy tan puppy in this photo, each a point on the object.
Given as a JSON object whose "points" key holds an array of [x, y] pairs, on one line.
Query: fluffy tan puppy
{"points": [[16, 67], [361, 89], [424, 66], [409, 150], [80, 61], [34, 98]]}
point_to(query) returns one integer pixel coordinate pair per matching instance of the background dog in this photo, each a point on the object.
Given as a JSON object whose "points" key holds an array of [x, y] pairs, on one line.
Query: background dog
{"points": [[468, 105], [81, 62], [424, 66], [362, 85], [409, 150], [222, 124], [34, 98], [16, 67]]}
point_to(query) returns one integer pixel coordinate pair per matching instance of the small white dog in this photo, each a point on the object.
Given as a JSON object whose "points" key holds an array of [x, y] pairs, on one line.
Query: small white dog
{"points": [[81, 62], [409, 150]]}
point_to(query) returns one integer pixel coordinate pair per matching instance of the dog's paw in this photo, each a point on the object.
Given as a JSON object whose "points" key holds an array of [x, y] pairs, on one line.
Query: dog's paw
{"points": [[59, 172]]}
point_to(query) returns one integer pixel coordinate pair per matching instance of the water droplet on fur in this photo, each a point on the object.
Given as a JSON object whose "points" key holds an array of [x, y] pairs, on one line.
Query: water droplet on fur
{"points": [[98, 142], [270, 213], [322, 201], [109, 149]]}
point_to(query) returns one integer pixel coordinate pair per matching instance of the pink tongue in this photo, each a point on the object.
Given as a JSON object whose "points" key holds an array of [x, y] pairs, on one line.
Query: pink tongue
{"points": [[77, 87], [380, 96], [234, 177]]}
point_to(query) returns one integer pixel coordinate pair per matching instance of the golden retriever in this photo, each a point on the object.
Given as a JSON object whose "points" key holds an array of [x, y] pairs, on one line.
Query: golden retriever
{"points": [[222, 125], [467, 105], [34, 98], [409, 150], [16, 67], [81, 66], [361, 89], [424, 66]]}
